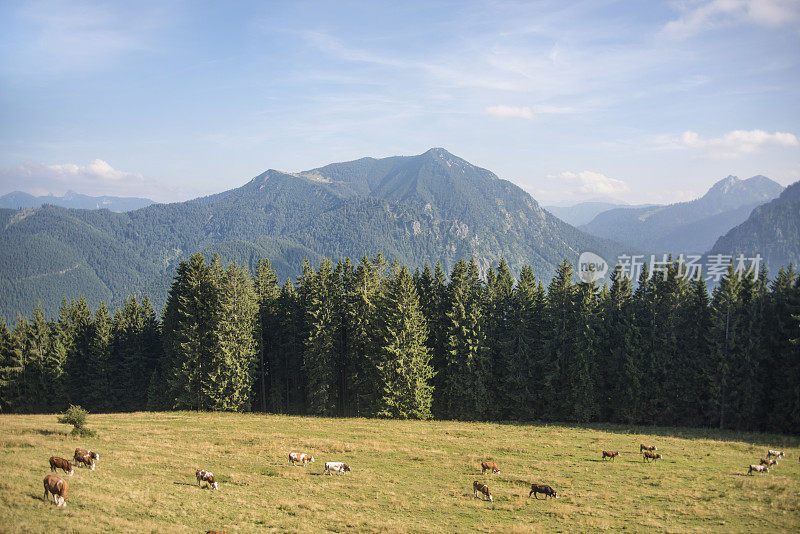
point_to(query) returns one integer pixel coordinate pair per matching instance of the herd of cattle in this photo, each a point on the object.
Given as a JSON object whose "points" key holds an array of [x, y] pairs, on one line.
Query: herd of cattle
{"points": [[58, 487], [766, 463]]}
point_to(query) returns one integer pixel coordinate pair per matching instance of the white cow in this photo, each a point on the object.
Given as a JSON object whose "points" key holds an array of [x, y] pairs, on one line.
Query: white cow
{"points": [[339, 467]]}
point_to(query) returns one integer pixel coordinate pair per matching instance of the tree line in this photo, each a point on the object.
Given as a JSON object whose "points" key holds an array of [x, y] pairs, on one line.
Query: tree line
{"points": [[374, 340]]}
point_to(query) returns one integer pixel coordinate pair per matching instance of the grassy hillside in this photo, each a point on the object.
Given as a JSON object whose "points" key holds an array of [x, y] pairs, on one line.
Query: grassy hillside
{"points": [[407, 476]]}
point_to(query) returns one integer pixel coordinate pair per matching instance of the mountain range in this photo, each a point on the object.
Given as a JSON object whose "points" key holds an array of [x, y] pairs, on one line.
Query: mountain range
{"points": [[425, 208], [685, 227], [71, 199], [583, 212], [772, 230]]}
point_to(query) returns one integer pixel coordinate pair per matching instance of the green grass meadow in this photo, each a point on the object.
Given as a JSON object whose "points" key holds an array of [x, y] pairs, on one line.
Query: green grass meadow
{"points": [[406, 476]]}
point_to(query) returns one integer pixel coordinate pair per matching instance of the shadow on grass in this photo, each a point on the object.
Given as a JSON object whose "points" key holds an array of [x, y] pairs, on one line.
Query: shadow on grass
{"points": [[714, 434], [184, 484], [44, 432]]}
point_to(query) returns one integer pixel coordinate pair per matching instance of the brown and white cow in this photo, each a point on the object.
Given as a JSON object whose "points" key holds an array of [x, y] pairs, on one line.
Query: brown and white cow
{"points": [[206, 476], [769, 462], [544, 489], [301, 457], [483, 489], [58, 488], [86, 460], [81, 452], [339, 467], [776, 454], [610, 454], [489, 466], [647, 455], [758, 469], [643, 447], [57, 463]]}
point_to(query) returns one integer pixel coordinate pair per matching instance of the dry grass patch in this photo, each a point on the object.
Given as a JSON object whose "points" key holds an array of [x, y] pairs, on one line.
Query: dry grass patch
{"points": [[407, 476]]}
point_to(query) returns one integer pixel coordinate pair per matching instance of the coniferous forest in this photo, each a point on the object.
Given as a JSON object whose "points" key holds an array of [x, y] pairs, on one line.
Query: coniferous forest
{"points": [[374, 340]]}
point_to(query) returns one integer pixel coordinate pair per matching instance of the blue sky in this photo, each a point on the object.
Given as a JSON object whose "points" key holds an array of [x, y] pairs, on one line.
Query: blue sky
{"points": [[639, 101]]}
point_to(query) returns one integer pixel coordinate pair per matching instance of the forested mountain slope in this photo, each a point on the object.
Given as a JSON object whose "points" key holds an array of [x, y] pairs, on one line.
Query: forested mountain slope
{"points": [[772, 230], [426, 208], [686, 227]]}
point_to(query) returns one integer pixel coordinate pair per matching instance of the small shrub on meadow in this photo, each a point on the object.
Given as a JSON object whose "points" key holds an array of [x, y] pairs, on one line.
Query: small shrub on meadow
{"points": [[76, 416]]}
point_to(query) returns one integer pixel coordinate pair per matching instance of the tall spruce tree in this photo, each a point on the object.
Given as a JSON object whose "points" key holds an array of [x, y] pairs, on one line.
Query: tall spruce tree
{"points": [[497, 317], [561, 304], [618, 387], [725, 335], [268, 382], [187, 329], [522, 347], [97, 378], [404, 363], [228, 376], [466, 368], [10, 369], [319, 359]]}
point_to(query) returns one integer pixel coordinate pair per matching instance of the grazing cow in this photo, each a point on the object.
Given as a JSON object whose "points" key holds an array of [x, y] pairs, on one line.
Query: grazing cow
{"points": [[643, 447], [776, 454], [758, 469], [483, 489], [86, 460], [769, 462], [81, 452], [610, 454], [489, 466], [647, 455], [339, 467], [544, 489], [58, 487], [301, 457], [206, 476], [57, 463]]}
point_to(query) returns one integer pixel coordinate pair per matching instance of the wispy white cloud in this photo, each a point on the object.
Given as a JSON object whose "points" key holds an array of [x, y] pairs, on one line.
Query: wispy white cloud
{"points": [[97, 177], [511, 112], [588, 183], [699, 16], [68, 36], [735, 143]]}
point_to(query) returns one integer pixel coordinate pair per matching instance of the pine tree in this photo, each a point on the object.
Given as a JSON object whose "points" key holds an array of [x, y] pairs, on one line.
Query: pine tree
{"points": [[580, 365], [404, 367], [319, 359], [187, 329], [291, 342], [522, 347], [783, 352], [97, 378], [11, 364], [227, 378], [725, 333], [269, 382], [619, 367], [362, 302], [498, 306], [693, 391], [466, 367], [134, 355], [561, 304]]}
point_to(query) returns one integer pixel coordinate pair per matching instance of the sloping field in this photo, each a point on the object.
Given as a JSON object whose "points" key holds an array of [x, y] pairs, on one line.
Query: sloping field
{"points": [[406, 476]]}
